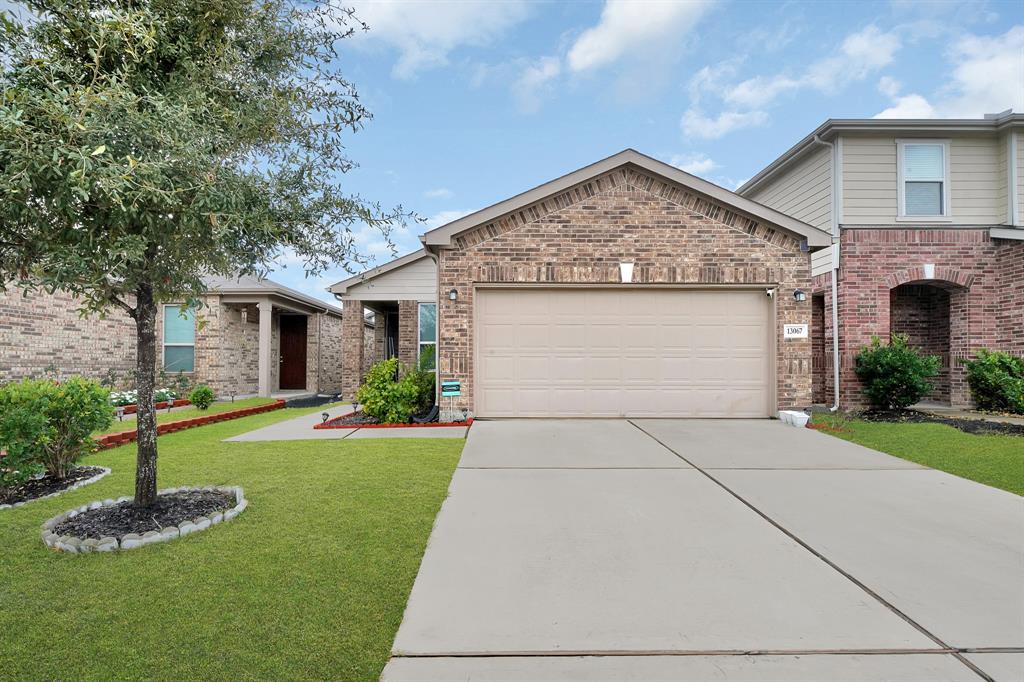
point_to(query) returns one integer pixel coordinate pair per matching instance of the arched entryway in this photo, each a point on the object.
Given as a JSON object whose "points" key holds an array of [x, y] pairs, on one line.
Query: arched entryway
{"points": [[933, 315]]}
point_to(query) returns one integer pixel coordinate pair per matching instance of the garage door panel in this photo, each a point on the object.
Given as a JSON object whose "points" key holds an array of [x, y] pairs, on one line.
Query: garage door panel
{"points": [[628, 352]]}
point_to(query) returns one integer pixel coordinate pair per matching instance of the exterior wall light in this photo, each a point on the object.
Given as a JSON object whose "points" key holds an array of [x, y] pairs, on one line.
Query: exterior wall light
{"points": [[453, 295], [799, 295]]}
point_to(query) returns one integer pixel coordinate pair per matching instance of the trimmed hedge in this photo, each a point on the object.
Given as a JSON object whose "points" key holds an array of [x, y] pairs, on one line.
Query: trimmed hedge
{"points": [[895, 375], [996, 380]]}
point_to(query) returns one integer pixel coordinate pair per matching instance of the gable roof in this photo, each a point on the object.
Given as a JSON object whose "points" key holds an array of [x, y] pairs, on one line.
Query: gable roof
{"points": [[341, 287], [247, 284], [991, 123], [443, 236]]}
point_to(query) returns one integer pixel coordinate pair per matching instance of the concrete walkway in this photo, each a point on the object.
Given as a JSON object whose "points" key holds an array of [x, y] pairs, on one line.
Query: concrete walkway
{"points": [[693, 550], [301, 428]]}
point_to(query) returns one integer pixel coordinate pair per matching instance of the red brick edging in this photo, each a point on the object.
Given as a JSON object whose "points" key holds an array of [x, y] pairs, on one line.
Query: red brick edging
{"points": [[332, 424], [181, 402], [112, 440]]}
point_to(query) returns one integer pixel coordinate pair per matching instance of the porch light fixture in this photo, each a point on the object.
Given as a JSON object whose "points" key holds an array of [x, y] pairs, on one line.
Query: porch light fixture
{"points": [[453, 295], [626, 272], [799, 295]]}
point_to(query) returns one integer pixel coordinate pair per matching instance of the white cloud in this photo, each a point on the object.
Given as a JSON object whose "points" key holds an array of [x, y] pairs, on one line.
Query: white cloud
{"points": [[444, 217], [627, 26], [860, 54], [696, 124], [439, 193], [889, 86], [987, 78], [536, 80], [696, 164], [425, 33]]}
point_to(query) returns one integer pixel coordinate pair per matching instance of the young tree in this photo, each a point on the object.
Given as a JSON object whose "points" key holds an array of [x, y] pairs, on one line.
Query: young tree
{"points": [[147, 143]]}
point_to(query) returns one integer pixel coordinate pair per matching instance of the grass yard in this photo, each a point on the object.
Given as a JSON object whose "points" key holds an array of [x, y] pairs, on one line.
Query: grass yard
{"points": [[994, 460], [309, 583], [183, 413]]}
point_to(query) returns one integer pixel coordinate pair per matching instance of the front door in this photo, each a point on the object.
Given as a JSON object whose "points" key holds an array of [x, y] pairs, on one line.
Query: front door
{"points": [[293, 352]]}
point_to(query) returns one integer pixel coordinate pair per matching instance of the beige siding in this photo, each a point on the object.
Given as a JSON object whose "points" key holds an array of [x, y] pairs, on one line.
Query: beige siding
{"points": [[803, 191], [870, 182], [1002, 177], [1020, 178], [821, 260], [415, 281]]}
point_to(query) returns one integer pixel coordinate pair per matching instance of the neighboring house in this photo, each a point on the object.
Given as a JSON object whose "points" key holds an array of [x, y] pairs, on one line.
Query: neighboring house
{"points": [[251, 337], [625, 288], [401, 297], [929, 240]]}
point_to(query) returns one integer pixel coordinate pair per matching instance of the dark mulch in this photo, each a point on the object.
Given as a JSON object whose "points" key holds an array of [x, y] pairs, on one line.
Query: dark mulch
{"points": [[355, 418], [981, 427], [30, 490], [312, 401], [169, 510]]}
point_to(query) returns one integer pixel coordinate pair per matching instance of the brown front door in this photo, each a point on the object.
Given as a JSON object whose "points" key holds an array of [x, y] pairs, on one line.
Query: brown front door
{"points": [[293, 352]]}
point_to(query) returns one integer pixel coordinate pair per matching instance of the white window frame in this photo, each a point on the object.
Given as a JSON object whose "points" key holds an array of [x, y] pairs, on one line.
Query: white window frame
{"points": [[419, 343], [163, 338], [901, 189]]}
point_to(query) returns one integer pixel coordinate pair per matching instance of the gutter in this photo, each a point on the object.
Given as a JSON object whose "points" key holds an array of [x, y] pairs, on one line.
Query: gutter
{"points": [[835, 270]]}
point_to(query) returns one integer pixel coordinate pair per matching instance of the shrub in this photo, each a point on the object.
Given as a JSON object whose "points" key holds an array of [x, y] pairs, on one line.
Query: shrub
{"points": [[202, 396], [996, 380], [48, 426], [895, 375], [391, 393]]}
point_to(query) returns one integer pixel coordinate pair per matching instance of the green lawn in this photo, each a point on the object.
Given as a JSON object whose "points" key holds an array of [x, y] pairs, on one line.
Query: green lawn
{"points": [[309, 583], [163, 416], [994, 460]]}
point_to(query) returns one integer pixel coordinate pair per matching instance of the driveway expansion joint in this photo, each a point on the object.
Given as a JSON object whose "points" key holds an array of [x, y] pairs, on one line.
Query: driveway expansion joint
{"points": [[910, 621]]}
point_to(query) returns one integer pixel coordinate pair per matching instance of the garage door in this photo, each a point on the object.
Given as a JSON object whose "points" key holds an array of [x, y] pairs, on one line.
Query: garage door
{"points": [[622, 353]]}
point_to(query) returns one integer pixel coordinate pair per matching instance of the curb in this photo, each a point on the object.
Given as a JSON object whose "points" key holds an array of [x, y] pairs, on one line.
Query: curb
{"points": [[113, 440]]}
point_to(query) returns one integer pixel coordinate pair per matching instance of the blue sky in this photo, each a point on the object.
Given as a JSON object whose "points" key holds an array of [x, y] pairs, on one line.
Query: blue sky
{"points": [[475, 101]]}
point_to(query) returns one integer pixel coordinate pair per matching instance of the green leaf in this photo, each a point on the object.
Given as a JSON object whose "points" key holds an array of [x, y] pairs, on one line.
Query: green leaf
{"points": [[99, 150]]}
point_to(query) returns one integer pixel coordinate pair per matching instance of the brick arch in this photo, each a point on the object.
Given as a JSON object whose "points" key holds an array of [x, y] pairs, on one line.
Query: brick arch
{"points": [[941, 275]]}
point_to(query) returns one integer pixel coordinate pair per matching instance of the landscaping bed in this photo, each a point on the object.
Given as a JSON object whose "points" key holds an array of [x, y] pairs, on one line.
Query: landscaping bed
{"points": [[48, 486], [975, 426], [124, 517], [162, 405], [360, 420], [112, 440]]}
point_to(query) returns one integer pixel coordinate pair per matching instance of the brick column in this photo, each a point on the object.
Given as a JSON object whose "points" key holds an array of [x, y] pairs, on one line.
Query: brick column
{"points": [[379, 336], [351, 348], [408, 332]]}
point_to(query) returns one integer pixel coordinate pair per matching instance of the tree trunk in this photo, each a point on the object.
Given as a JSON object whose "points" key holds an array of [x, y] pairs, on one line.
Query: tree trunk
{"points": [[145, 326]]}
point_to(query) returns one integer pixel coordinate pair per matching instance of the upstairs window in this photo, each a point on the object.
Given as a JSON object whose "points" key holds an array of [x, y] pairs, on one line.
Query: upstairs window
{"points": [[924, 181], [428, 336], [179, 339]]}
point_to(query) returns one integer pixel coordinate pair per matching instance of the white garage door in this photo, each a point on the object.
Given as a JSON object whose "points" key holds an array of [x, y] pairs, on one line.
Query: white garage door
{"points": [[622, 353]]}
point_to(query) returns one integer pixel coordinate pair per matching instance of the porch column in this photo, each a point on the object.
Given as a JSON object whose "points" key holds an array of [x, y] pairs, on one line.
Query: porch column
{"points": [[264, 357], [408, 332], [352, 342]]}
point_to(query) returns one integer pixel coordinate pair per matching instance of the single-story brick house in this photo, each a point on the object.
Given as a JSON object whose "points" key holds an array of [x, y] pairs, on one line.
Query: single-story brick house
{"points": [[625, 288], [926, 222], [251, 337]]}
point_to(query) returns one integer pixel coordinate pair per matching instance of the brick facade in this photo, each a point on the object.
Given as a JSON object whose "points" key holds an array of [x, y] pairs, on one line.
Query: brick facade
{"points": [[884, 287], [581, 236], [353, 341], [408, 332], [44, 335]]}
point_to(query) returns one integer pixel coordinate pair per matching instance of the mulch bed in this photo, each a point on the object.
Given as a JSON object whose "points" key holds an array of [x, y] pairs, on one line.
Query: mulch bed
{"points": [[124, 518], [362, 420], [973, 426], [356, 418], [39, 487]]}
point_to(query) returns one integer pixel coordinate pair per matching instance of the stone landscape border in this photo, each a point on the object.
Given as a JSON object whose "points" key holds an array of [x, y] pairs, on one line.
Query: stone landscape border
{"points": [[333, 424], [78, 484], [76, 545], [112, 440]]}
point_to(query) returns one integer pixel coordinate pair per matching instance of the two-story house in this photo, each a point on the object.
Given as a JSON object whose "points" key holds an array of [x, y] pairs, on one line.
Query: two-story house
{"points": [[928, 240]]}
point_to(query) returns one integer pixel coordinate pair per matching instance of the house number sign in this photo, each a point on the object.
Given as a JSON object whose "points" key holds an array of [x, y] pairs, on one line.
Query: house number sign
{"points": [[794, 331]]}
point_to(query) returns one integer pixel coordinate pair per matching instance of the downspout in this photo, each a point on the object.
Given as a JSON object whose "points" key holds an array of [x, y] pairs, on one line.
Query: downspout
{"points": [[835, 272]]}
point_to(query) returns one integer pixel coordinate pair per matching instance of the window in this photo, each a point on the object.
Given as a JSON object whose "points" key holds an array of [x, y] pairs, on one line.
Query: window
{"points": [[428, 336], [924, 186], [179, 339]]}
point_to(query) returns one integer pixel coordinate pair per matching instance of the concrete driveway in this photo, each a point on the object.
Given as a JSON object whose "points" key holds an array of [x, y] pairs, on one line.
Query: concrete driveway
{"points": [[695, 550]]}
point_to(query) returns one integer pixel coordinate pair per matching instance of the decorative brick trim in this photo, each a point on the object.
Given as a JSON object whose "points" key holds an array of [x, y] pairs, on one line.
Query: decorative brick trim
{"points": [[941, 274], [113, 440], [333, 424], [131, 409]]}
